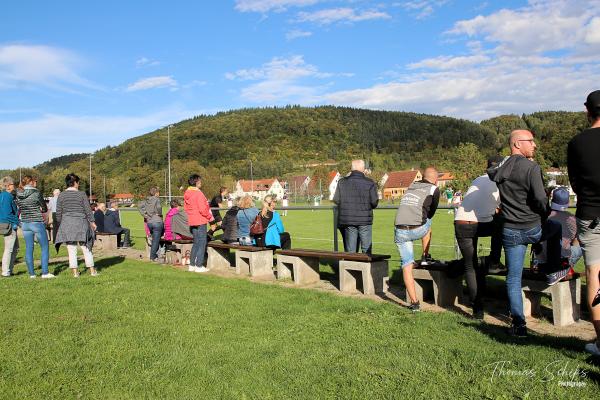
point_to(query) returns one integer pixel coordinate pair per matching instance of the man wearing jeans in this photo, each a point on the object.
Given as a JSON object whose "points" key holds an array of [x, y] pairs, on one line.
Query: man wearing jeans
{"points": [[356, 197], [523, 213], [413, 222], [583, 161]]}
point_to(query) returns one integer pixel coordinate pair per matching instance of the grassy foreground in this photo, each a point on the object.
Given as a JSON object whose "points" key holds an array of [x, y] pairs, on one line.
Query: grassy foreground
{"points": [[147, 331]]}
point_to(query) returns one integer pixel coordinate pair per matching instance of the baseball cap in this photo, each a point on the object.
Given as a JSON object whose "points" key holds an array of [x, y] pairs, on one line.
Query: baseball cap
{"points": [[592, 103], [560, 199]]}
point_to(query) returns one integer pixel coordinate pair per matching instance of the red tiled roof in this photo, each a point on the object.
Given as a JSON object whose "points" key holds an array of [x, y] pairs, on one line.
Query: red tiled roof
{"points": [[400, 179], [296, 181], [122, 196], [331, 176], [259, 184], [445, 176]]}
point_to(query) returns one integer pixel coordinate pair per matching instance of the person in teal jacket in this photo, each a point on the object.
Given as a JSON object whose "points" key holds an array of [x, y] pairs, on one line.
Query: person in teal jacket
{"points": [[275, 235], [10, 222]]}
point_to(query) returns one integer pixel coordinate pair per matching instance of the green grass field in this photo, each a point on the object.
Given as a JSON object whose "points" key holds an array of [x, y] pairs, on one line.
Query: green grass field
{"points": [[141, 330]]}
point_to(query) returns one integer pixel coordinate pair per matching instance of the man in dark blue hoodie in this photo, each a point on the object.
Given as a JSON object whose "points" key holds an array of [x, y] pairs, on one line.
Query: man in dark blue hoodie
{"points": [[524, 211]]}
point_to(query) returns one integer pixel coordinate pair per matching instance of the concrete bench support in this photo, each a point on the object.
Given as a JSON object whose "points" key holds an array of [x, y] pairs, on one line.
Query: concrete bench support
{"points": [[176, 251], [446, 291], [254, 263], [218, 259], [303, 270], [105, 241], [372, 275], [566, 299]]}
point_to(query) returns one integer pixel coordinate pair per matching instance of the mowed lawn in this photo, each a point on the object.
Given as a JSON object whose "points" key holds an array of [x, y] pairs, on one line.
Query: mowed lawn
{"points": [[141, 330]]}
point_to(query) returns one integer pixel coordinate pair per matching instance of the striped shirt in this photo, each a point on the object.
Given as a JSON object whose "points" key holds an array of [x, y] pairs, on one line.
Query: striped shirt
{"points": [[74, 203], [31, 204]]}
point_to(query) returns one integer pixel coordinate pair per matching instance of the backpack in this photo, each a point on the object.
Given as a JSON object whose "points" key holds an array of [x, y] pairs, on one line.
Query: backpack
{"points": [[257, 228]]}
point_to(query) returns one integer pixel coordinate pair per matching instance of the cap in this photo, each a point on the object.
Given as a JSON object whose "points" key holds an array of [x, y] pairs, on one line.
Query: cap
{"points": [[592, 103], [560, 199]]}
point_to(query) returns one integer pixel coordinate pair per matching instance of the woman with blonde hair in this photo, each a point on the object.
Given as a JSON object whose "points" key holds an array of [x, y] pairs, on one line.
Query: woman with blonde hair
{"points": [[9, 222], [275, 235], [246, 215], [32, 205]]}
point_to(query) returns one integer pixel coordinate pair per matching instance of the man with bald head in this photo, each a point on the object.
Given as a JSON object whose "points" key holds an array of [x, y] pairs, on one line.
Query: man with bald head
{"points": [[356, 197], [524, 210], [413, 222]]}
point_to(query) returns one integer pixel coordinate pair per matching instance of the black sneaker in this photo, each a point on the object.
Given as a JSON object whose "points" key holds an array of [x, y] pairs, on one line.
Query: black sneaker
{"points": [[415, 307], [496, 268], [596, 300], [478, 313], [555, 277], [518, 331], [426, 259]]}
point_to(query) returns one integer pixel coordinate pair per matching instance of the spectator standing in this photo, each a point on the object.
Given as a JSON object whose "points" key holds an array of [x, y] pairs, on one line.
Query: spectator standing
{"points": [[112, 224], [245, 216], [76, 224], [523, 213], [285, 204], [151, 210], [584, 174], [356, 197], [474, 218], [31, 207], [52, 212], [198, 212], [413, 222], [9, 222]]}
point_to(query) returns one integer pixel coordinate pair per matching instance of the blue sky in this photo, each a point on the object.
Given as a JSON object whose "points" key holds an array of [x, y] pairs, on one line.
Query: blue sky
{"points": [[76, 76]]}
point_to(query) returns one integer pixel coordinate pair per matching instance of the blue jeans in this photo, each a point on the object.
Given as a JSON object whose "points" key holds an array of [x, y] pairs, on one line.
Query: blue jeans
{"points": [[156, 231], [199, 246], [36, 231], [404, 239], [353, 234], [576, 254], [515, 243]]}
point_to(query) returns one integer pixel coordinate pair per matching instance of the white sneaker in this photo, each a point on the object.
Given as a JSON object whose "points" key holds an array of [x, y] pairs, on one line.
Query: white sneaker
{"points": [[191, 268], [6, 275], [32, 276], [95, 273], [48, 276], [201, 269], [592, 348]]}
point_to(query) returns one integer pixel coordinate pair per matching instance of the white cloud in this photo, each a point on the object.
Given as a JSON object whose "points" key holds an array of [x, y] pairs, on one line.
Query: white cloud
{"points": [[153, 83], [449, 62], [332, 15], [264, 6], [279, 69], [592, 34], [146, 62], [421, 8], [33, 66], [34, 141], [296, 33]]}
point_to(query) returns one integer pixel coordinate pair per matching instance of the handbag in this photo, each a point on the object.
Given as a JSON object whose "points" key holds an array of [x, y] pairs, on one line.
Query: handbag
{"points": [[257, 228], [5, 228]]}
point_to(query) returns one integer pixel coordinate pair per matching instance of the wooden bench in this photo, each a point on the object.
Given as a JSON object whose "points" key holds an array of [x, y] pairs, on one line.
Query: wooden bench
{"points": [[565, 296], [433, 281], [357, 270], [106, 241], [249, 260]]}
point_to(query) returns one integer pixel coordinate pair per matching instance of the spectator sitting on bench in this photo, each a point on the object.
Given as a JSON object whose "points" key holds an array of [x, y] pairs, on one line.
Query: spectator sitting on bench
{"points": [[245, 216], [474, 218], [112, 224], [99, 217], [275, 235], [219, 201], [230, 226], [180, 228], [413, 222], [169, 234], [570, 245]]}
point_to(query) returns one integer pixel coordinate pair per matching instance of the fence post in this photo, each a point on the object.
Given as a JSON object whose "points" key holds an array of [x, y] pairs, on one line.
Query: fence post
{"points": [[335, 226]]}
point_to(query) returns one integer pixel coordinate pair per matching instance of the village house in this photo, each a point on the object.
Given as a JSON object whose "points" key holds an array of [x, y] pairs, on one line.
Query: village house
{"points": [[444, 178], [259, 188], [122, 198], [297, 185], [397, 182]]}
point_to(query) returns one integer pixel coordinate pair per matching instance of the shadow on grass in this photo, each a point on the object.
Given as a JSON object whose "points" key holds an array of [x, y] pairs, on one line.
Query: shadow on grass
{"points": [[103, 263]]}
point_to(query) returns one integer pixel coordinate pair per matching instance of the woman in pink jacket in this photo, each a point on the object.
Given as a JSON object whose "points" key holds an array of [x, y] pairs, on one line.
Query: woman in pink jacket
{"points": [[196, 206]]}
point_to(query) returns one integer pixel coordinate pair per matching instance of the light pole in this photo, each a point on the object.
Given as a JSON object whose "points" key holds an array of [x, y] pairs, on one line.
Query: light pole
{"points": [[91, 155], [251, 178], [169, 158]]}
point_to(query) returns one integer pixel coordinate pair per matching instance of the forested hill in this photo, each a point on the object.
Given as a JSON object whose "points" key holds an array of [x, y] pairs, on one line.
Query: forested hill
{"points": [[282, 141]]}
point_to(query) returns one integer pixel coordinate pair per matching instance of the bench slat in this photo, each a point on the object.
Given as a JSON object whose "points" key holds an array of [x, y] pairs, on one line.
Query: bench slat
{"points": [[336, 255], [221, 245]]}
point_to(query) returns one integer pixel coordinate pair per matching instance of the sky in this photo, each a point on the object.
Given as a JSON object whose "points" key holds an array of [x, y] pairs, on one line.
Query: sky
{"points": [[78, 76]]}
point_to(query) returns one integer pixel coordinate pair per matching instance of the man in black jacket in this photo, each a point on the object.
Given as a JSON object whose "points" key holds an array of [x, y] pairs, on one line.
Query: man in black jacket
{"points": [[523, 215], [112, 224], [356, 197], [584, 175]]}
